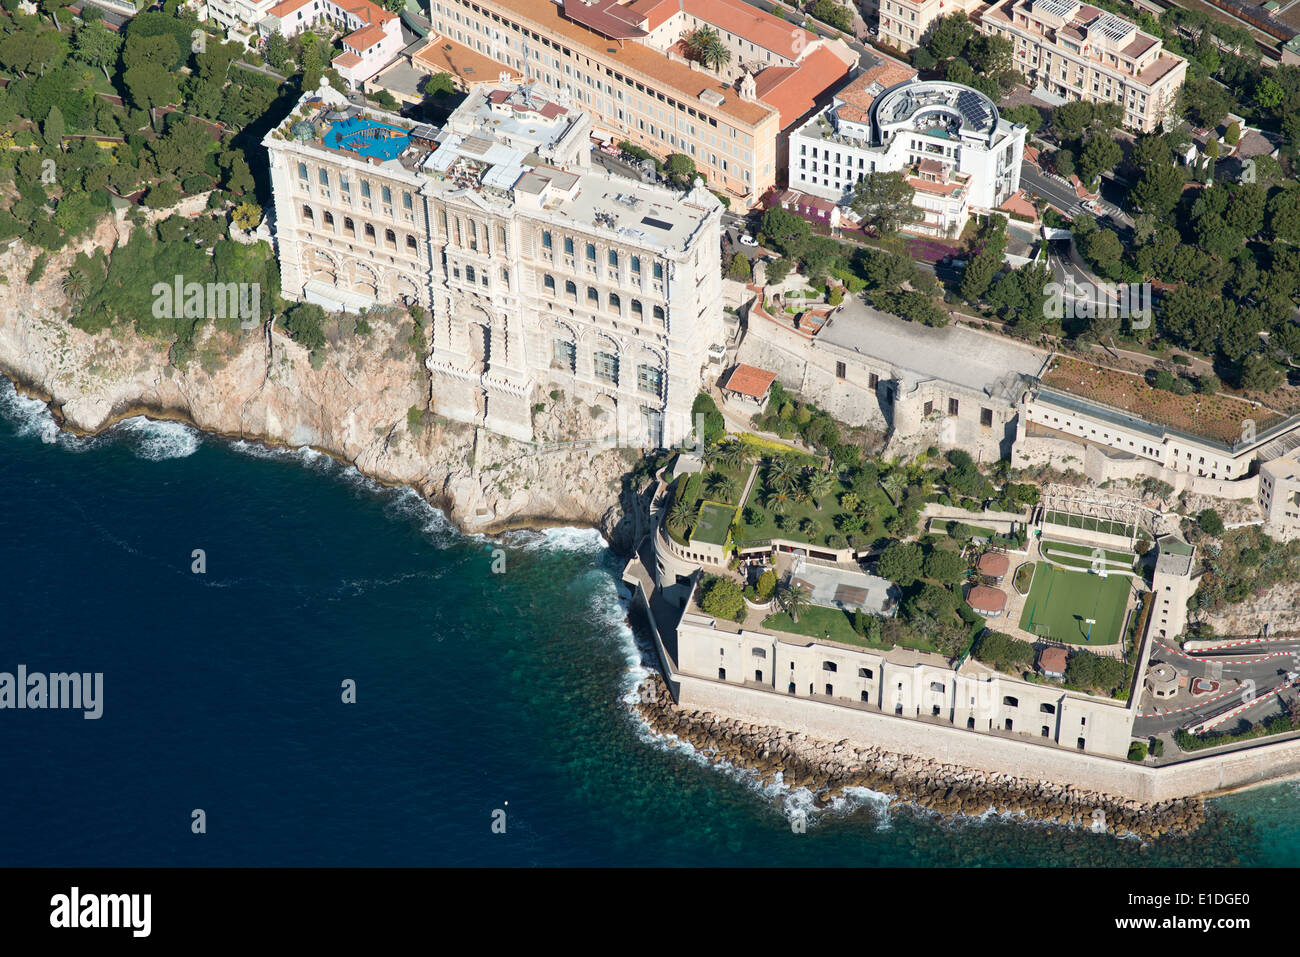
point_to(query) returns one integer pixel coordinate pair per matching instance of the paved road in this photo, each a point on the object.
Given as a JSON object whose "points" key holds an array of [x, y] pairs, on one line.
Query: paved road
{"points": [[1062, 197], [1267, 670]]}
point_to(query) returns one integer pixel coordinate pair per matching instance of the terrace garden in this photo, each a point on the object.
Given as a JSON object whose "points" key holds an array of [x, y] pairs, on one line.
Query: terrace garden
{"points": [[1219, 417]]}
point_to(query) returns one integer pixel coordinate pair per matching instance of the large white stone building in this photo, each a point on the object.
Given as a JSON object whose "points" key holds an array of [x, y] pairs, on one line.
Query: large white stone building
{"points": [[372, 41], [539, 273], [958, 151], [1081, 52]]}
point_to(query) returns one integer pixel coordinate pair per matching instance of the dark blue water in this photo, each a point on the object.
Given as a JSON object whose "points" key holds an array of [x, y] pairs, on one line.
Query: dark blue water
{"points": [[476, 692]]}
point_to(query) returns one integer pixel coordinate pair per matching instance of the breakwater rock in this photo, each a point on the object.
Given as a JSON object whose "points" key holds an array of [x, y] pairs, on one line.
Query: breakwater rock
{"points": [[828, 768]]}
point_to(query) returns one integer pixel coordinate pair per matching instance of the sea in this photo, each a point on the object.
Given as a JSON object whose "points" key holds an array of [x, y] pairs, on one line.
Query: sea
{"points": [[304, 668]]}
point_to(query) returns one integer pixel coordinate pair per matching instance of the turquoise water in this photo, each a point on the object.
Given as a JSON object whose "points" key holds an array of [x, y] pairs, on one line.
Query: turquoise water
{"points": [[476, 692]]}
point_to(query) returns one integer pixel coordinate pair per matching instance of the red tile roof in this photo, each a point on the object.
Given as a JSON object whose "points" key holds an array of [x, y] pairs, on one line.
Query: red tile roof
{"points": [[793, 91], [1053, 660], [994, 564], [987, 600], [750, 381], [365, 38], [346, 59], [738, 18]]}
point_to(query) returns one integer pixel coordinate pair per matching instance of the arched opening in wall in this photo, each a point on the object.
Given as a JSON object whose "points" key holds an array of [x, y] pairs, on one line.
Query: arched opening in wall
{"points": [[328, 218], [321, 266], [365, 280], [604, 414], [411, 244], [404, 290], [308, 215], [349, 227], [479, 347], [370, 232]]}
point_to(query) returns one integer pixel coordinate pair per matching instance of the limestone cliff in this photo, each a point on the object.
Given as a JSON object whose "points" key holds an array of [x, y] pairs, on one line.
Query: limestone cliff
{"points": [[351, 403]]}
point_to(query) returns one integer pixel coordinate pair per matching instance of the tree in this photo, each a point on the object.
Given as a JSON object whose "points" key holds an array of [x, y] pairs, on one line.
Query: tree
{"points": [[277, 51], [1069, 120], [97, 45], [1103, 249], [894, 483], [708, 421], [884, 201], [1158, 189], [681, 514], [680, 170], [1026, 115], [900, 563], [1232, 135], [1210, 521], [785, 231], [1063, 163], [722, 486], [1100, 154], [723, 598], [1258, 373], [705, 46], [776, 271], [828, 11], [947, 567], [819, 485], [949, 36], [739, 269], [793, 599]]}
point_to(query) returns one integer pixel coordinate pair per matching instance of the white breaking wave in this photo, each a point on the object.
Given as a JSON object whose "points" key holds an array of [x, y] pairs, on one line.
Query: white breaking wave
{"points": [[158, 441], [304, 455], [32, 418]]}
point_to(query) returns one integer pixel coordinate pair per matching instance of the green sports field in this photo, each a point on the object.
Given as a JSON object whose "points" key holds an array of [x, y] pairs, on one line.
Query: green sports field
{"points": [[1060, 602]]}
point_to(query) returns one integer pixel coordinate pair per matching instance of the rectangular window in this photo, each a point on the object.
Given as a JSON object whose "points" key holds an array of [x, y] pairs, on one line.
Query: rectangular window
{"points": [[840, 370], [387, 195], [605, 366], [546, 239], [986, 417], [873, 380], [565, 355], [324, 177], [650, 379], [302, 171], [365, 188], [568, 245], [406, 201], [659, 270], [613, 259], [952, 406]]}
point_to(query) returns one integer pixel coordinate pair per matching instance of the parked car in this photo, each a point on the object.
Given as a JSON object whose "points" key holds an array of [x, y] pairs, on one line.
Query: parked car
{"points": [[747, 240]]}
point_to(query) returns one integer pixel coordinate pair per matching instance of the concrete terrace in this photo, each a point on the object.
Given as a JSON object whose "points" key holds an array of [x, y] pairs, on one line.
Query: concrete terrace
{"points": [[954, 353]]}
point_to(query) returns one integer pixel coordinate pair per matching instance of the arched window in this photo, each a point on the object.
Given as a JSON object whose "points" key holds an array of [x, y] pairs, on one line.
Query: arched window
{"points": [[592, 295], [636, 308], [370, 232], [591, 253], [659, 313], [388, 196], [349, 226], [571, 289], [636, 265], [615, 304], [410, 243], [548, 283], [329, 218], [308, 215]]}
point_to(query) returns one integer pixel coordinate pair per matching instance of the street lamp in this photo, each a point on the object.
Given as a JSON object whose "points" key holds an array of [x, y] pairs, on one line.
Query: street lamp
{"points": [[1091, 622]]}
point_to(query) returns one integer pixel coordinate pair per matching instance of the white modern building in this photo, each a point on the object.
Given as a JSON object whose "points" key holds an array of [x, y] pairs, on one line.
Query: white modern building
{"points": [[959, 153], [539, 273]]}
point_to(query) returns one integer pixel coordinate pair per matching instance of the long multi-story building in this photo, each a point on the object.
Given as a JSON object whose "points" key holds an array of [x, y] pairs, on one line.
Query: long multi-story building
{"points": [[539, 273], [626, 65], [958, 151], [1080, 52]]}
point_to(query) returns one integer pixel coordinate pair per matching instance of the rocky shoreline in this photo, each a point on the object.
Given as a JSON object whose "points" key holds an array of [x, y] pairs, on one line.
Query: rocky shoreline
{"points": [[828, 768], [365, 401]]}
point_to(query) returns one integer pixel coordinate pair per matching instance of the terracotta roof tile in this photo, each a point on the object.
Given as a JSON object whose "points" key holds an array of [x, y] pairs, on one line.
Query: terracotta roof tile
{"points": [[750, 381]]}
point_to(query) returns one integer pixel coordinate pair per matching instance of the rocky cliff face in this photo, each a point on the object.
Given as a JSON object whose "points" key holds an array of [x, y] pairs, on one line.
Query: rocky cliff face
{"points": [[352, 403]]}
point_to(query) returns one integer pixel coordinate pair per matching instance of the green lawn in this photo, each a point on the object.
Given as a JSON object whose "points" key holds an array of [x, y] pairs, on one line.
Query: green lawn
{"points": [[1063, 600], [1087, 523], [712, 525], [1121, 558], [881, 508], [816, 621]]}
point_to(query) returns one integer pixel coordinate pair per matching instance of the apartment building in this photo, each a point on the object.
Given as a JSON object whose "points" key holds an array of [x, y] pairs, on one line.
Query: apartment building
{"points": [[957, 150], [373, 41], [1279, 495], [624, 63], [905, 24], [1080, 52], [539, 273], [239, 18]]}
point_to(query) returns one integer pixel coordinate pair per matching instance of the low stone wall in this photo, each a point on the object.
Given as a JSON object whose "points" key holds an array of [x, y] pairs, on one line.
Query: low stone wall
{"points": [[827, 767]]}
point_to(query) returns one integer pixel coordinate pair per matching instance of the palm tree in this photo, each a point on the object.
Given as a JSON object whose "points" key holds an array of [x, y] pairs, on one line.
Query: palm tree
{"points": [[74, 285], [710, 455], [722, 485], [819, 484], [734, 454], [707, 47], [778, 500], [793, 599], [807, 527], [681, 513], [849, 501], [781, 474], [893, 483]]}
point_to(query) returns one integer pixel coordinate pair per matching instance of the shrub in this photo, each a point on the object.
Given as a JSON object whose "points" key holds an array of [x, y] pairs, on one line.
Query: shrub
{"points": [[1157, 748], [766, 585], [1137, 751], [723, 598], [1210, 522], [1004, 653]]}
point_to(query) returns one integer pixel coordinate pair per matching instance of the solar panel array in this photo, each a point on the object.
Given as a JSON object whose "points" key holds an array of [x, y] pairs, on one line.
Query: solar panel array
{"points": [[971, 106]]}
